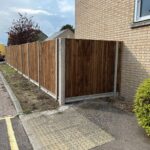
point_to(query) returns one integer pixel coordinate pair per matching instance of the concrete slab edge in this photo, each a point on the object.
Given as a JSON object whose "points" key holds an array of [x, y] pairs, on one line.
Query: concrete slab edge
{"points": [[12, 96], [61, 109]]}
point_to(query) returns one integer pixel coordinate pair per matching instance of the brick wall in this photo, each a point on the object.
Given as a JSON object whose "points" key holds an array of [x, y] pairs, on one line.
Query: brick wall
{"points": [[111, 20]]}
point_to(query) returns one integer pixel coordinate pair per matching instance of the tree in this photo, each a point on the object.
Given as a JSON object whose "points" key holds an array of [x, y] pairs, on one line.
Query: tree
{"points": [[23, 30], [67, 26]]}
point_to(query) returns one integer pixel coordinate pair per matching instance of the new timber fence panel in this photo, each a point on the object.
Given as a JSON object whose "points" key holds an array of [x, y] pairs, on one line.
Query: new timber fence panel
{"points": [[24, 51], [7, 55], [48, 66], [33, 55], [19, 58], [12, 56], [89, 67], [16, 56]]}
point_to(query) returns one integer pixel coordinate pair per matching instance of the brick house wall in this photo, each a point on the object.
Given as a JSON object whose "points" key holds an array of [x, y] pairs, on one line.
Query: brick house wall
{"points": [[112, 20]]}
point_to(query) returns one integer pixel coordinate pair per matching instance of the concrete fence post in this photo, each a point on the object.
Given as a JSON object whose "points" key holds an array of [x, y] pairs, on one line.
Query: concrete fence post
{"points": [[61, 85], [56, 67]]}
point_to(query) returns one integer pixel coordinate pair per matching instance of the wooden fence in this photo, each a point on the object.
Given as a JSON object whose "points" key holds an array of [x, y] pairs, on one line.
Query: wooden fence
{"points": [[70, 69], [37, 62]]}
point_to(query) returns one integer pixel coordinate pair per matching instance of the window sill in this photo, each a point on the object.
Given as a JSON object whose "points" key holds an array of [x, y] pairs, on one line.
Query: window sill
{"points": [[140, 24]]}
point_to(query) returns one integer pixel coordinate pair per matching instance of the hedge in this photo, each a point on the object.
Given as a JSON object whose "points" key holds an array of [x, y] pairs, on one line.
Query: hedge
{"points": [[142, 105]]}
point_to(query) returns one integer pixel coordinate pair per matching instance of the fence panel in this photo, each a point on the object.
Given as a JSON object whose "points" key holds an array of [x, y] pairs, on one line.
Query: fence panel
{"points": [[33, 61], [89, 67], [48, 66], [15, 56], [24, 53], [19, 58], [13, 59], [10, 50], [7, 55]]}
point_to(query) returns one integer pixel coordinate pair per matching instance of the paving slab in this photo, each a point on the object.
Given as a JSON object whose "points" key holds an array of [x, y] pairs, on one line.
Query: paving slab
{"points": [[66, 130]]}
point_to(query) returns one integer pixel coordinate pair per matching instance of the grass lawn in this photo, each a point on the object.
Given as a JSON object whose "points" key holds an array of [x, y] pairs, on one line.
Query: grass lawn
{"points": [[30, 96]]}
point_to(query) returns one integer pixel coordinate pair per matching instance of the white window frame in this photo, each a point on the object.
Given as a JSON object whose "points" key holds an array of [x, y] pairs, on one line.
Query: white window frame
{"points": [[137, 16]]}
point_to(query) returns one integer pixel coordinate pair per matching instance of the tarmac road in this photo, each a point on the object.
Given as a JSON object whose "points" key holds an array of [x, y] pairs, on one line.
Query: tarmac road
{"points": [[22, 140]]}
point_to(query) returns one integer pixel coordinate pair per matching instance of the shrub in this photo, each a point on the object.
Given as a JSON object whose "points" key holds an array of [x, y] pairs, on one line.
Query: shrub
{"points": [[142, 105]]}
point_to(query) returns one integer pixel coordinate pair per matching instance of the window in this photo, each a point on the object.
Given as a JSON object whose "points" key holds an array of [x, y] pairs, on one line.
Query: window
{"points": [[142, 10]]}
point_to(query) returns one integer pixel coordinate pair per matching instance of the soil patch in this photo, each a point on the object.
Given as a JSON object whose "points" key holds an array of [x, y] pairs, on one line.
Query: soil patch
{"points": [[30, 96]]}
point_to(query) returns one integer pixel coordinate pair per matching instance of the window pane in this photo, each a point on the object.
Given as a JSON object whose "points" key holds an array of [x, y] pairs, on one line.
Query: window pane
{"points": [[145, 7]]}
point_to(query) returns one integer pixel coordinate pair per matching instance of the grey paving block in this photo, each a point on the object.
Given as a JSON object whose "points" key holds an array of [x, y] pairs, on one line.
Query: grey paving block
{"points": [[68, 130]]}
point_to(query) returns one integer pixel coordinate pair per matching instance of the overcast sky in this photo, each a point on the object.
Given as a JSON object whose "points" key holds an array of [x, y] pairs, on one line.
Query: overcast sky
{"points": [[49, 14]]}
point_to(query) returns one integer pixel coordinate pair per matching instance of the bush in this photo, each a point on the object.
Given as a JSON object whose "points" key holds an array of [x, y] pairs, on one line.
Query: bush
{"points": [[142, 105]]}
